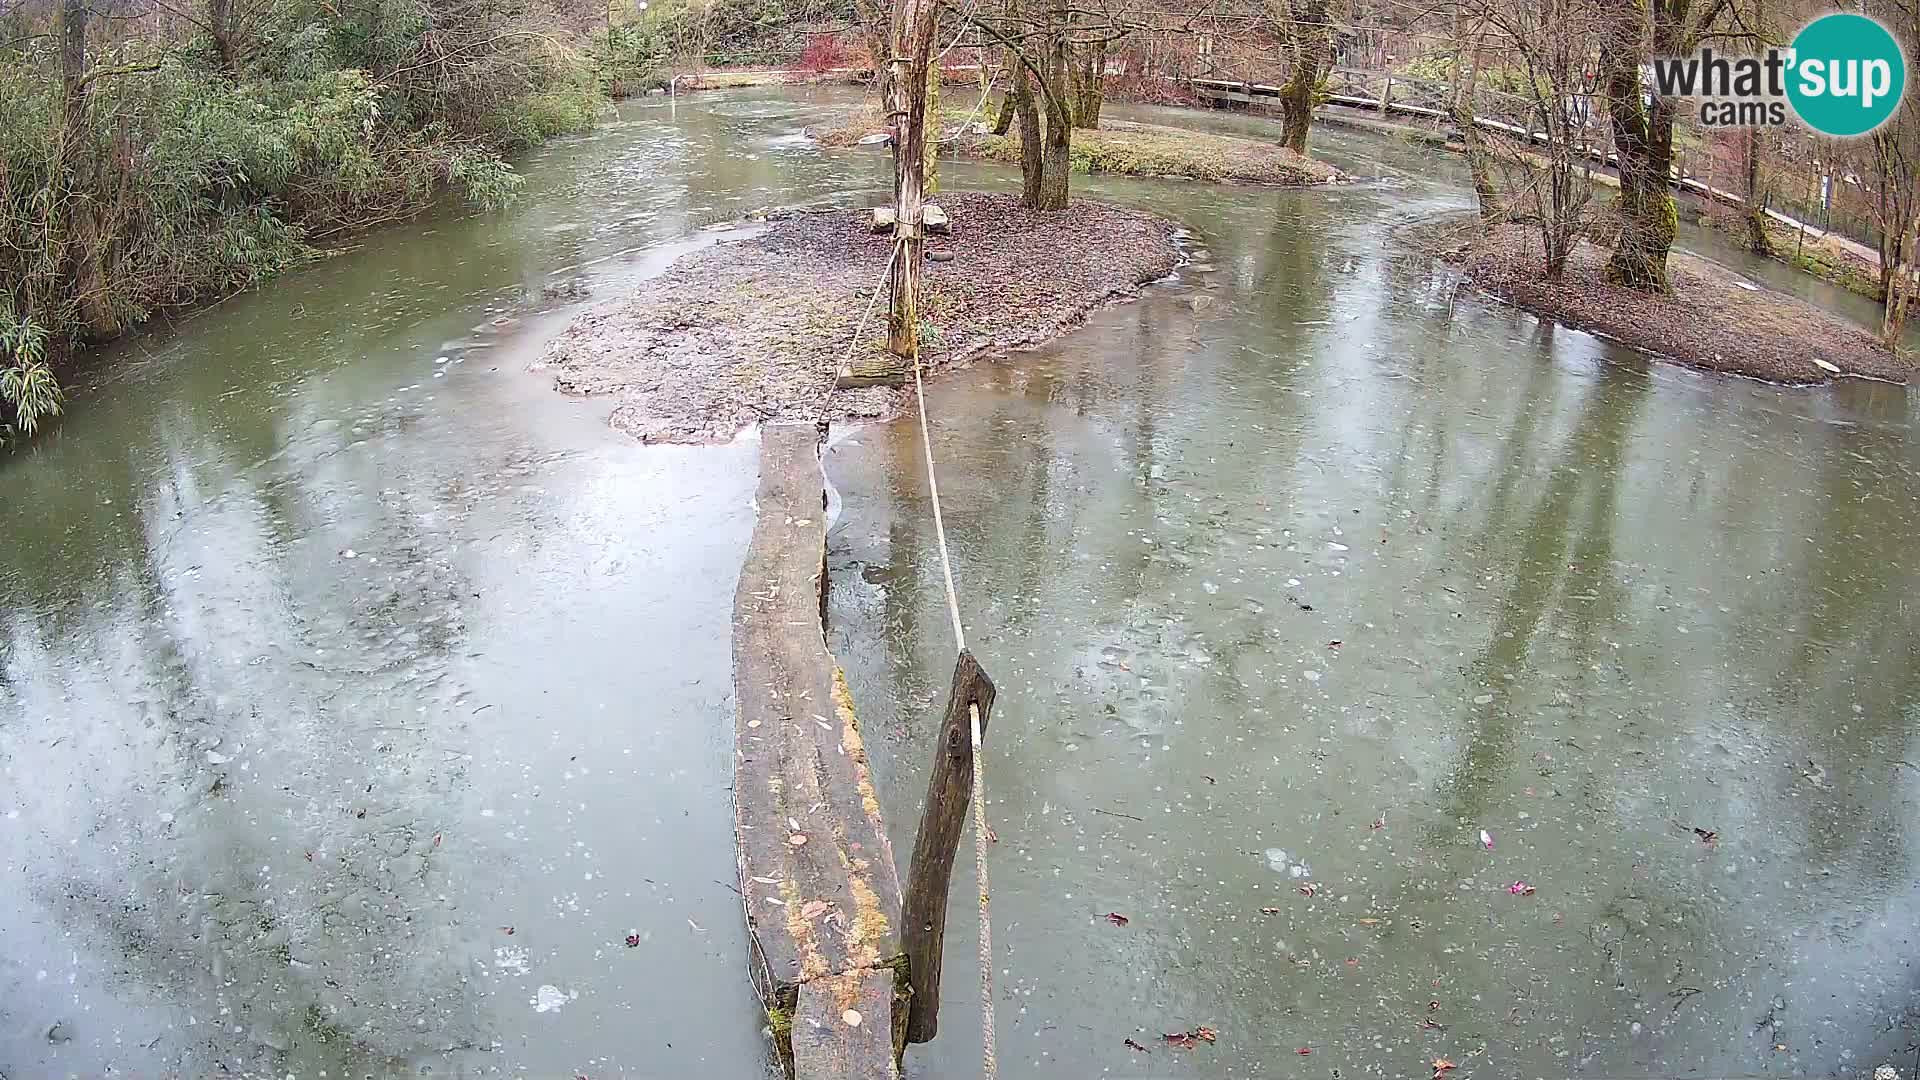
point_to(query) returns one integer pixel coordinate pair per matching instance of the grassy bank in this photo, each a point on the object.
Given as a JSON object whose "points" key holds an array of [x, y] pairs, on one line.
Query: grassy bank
{"points": [[1820, 256], [144, 171], [1124, 148]]}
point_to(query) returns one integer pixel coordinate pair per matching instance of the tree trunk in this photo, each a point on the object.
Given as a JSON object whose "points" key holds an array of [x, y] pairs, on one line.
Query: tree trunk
{"points": [[1004, 116], [913, 54], [1755, 195], [1892, 254], [1016, 74], [1466, 118], [1309, 45], [220, 28], [1894, 203], [1089, 85], [86, 247], [1032, 167], [1643, 142], [1899, 293], [930, 158], [1055, 172], [1900, 290], [943, 816], [1057, 89], [1556, 257], [73, 63]]}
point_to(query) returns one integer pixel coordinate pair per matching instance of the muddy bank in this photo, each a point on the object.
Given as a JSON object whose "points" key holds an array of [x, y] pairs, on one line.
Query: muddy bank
{"points": [[1714, 319], [755, 330]]}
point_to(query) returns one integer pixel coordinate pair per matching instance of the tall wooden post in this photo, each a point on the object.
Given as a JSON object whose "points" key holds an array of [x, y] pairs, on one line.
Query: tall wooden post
{"points": [[923, 912], [912, 56]]}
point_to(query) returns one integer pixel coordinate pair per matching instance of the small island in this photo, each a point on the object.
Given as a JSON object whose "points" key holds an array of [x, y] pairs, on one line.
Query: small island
{"points": [[754, 330], [1120, 147], [1708, 318]]}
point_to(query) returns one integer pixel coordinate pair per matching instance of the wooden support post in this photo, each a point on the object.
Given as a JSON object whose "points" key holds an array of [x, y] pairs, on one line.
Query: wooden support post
{"points": [[943, 818], [912, 57], [907, 72]]}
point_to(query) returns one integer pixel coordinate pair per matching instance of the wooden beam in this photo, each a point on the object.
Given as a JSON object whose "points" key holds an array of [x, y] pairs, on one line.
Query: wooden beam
{"points": [[942, 819], [817, 877]]}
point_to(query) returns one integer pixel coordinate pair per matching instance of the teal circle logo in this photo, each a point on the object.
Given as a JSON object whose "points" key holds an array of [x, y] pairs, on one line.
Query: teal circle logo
{"points": [[1847, 74]]}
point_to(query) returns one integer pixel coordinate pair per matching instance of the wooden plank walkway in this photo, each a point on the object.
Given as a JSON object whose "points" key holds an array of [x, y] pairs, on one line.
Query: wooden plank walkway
{"points": [[817, 876]]}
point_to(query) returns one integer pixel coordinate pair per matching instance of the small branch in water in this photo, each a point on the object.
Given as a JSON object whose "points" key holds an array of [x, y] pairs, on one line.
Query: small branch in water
{"points": [[1115, 813], [1681, 995]]}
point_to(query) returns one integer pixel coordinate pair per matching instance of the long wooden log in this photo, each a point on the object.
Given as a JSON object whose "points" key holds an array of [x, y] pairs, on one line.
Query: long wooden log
{"points": [[817, 876], [942, 819]]}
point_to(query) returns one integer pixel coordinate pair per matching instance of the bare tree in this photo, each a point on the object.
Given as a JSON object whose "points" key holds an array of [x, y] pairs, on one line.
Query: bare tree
{"points": [[1550, 44], [875, 24], [1894, 163], [1056, 57], [1038, 38]]}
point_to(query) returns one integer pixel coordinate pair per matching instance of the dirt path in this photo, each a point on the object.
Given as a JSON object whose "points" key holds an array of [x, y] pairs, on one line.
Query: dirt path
{"points": [[755, 330]]}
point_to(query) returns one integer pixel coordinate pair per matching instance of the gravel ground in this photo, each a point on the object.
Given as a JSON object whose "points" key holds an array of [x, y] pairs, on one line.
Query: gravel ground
{"points": [[755, 330], [1708, 321]]}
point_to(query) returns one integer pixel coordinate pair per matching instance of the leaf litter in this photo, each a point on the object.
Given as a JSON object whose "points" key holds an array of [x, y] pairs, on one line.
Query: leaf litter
{"points": [[1187, 1040]]}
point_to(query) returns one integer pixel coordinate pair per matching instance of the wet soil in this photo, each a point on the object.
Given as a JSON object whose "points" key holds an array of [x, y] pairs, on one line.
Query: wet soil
{"points": [[1713, 319], [755, 330]]}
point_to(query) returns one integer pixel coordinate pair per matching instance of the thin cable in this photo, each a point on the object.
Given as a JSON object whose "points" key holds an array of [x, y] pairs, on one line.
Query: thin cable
{"points": [[820, 412], [940, 530], [965, 18], [989, 1062]]}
